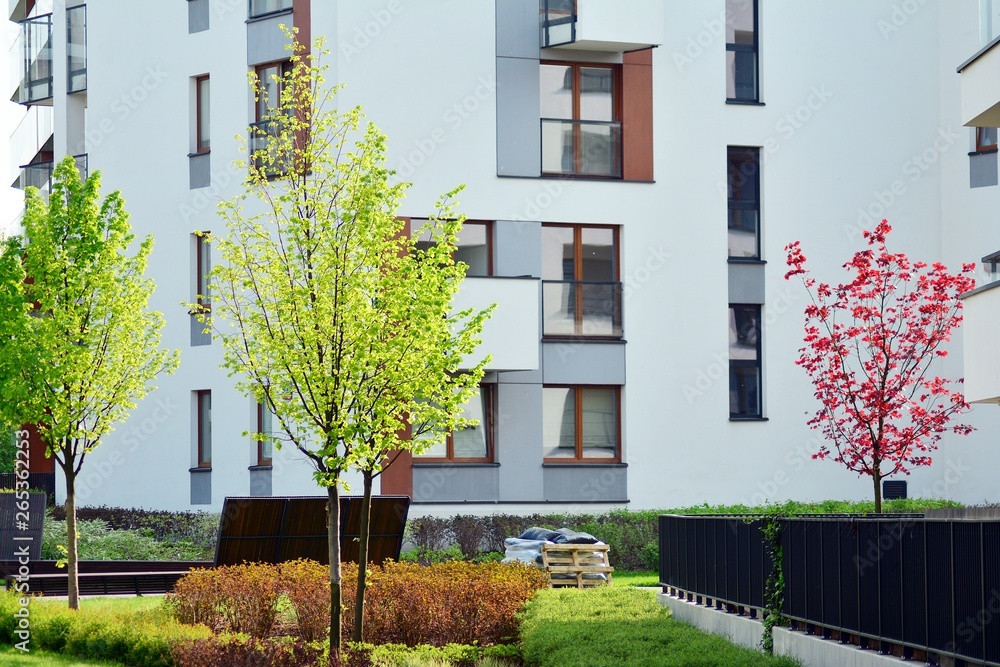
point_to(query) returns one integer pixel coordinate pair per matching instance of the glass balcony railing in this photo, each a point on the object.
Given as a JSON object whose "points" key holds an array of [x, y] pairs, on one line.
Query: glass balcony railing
{"points": [[76, 54], [558, 22], [39, 174], [36, 60], [582, 147], [582, 308]]}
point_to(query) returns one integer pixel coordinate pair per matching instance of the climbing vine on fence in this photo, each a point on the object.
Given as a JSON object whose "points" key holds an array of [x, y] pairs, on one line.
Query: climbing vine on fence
{"points": [[774, 587]]}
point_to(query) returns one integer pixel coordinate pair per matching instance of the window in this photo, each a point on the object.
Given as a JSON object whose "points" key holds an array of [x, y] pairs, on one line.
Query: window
{"points": [[203, 123], [36, 60], [203, 399], [991, 264], [744, 202], [741, 51], [474, 443], [272, 81], [986, 139], [265, 7], [558, 22], [271, 78], [76, 48], [265, 446], [581, 295], [474, 245], [202, 269], [744, 362], [580, 423], [581, 132]]}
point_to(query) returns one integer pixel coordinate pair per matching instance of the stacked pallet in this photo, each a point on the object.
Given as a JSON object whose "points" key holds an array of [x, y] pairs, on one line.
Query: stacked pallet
{"points": [[577, 565]]}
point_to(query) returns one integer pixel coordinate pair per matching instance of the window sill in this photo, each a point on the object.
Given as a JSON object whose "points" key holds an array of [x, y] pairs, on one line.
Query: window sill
{"points": [[582, 339], [748, 419], [441, 463], [583, 462], [200, 153], [207, 469], [745, 103], [269, 15], [260, 467], [989, 152], [745, 260]]}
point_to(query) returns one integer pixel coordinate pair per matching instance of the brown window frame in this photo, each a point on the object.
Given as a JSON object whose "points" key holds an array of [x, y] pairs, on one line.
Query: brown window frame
{"points": [[200, 417], [202, 248], [616, 117], [202, 144], [578, 405], [488, 224], [489, 392], [981, 145], [261, 460], [284, 67], [578, 275]]}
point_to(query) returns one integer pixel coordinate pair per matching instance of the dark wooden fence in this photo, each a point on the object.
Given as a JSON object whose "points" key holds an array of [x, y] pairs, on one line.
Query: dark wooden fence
{"points": [[899, 584]]}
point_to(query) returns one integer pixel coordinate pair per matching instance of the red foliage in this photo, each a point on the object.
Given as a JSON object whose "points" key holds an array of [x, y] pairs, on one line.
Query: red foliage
{"points": [[869, 343]]}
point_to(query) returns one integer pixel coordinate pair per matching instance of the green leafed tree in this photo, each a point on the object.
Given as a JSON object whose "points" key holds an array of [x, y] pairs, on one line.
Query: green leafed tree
{"points": [[328, 313], [80, 345]]}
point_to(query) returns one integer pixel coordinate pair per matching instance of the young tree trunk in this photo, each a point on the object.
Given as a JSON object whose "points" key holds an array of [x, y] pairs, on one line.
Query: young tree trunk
{"points": [[333, 543], [877, 478], [72, 562], [366, 521]]}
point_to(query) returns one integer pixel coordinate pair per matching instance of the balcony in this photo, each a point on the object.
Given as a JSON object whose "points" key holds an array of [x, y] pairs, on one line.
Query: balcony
{"points": [[39, 174], [266, 151], [511, 334], [35, 54], [980, 331], [601, 25], [260, 8], [582, 147], [579, 308], [981, 87]]}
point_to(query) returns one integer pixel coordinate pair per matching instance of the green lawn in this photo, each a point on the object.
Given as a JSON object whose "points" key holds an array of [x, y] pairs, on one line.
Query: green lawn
{"points": [[11, 657], [635, 578]]}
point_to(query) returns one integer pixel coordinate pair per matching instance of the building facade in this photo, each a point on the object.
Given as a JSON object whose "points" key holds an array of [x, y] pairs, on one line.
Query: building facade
{"points": [[633, 172]]}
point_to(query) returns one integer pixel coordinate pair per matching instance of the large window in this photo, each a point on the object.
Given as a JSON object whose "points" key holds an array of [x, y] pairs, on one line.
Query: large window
{"points": [[986, 139], [581, 295], [265, 7], [474, 245], [580, 423], [581, 132], [741, 51], [203, 425], [744, 202], [744, 362], [203, 118], [473, 443]]}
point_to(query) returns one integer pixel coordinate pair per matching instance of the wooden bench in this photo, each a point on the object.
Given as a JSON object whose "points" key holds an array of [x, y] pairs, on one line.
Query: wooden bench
{"points": [[572, 561]]}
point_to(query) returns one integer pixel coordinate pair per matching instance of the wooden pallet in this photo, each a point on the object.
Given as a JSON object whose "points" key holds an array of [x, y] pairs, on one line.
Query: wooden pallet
{"points": [[573, 561]]}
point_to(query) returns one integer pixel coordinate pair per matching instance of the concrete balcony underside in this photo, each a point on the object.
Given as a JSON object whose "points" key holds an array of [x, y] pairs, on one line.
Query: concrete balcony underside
{"points": [[981, 337], [981, 87], [511, 335], [615, 26]]}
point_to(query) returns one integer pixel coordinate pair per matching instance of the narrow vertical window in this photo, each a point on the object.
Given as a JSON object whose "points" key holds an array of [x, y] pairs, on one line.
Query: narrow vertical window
{"points": [[744, 362], [265, 7], [203, 267], [264, 427], [741, 51], [743, 178], [204, 117], [204, 425], [76, 49]]}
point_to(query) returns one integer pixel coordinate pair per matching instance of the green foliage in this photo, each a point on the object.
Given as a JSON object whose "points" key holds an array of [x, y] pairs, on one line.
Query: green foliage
{"points": [[650, 556], [12, 657], [774, 587], [8, 450], [196, 532], [625, 578], [425, 556], [459, 655], [610, 626], [96, 541]]}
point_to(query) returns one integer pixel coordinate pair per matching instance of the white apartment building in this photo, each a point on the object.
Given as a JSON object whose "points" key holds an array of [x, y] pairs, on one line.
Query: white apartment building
{"points": [[633, 171]]}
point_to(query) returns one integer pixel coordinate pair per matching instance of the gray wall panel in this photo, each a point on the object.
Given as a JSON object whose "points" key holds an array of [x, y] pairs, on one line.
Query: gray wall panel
{"points": [[260, 482], [201, 487], [197, 15], [435, 483], [200, 167], [517, 248], [584, 483], [579, 362], [198, 335], [519, 441], [265, 41], [983, 170], [746, 283], [517, 28], [519, 140]]}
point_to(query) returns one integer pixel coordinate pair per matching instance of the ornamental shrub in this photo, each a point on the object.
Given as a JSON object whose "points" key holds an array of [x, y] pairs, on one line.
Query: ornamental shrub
{"points": [[237, 598]]}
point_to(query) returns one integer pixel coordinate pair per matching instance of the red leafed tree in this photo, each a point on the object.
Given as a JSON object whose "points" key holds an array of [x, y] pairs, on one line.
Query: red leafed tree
{"points": [[869, 345]]}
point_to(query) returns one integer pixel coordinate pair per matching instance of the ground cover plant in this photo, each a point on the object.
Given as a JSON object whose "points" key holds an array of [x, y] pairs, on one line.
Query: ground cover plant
{"points": [[610, 626]]}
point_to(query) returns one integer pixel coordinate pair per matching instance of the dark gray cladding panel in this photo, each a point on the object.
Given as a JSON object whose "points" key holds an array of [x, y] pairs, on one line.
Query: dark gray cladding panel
{"points": [[983, 170], [583, 362], [260, 482], [519, 134], [450, 482], [200, 167], [198, 335], [518, 28], [746, 283], [201, 486], [265, 41], [197, 15], [519, 441], [586, 483], [517, 248]]}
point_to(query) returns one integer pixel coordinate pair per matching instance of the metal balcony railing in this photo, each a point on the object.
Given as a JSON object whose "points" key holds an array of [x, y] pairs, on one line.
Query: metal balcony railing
{"points": [[582, 308], [582, 147], [260, 8], [39, 174], [36, 60]]}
